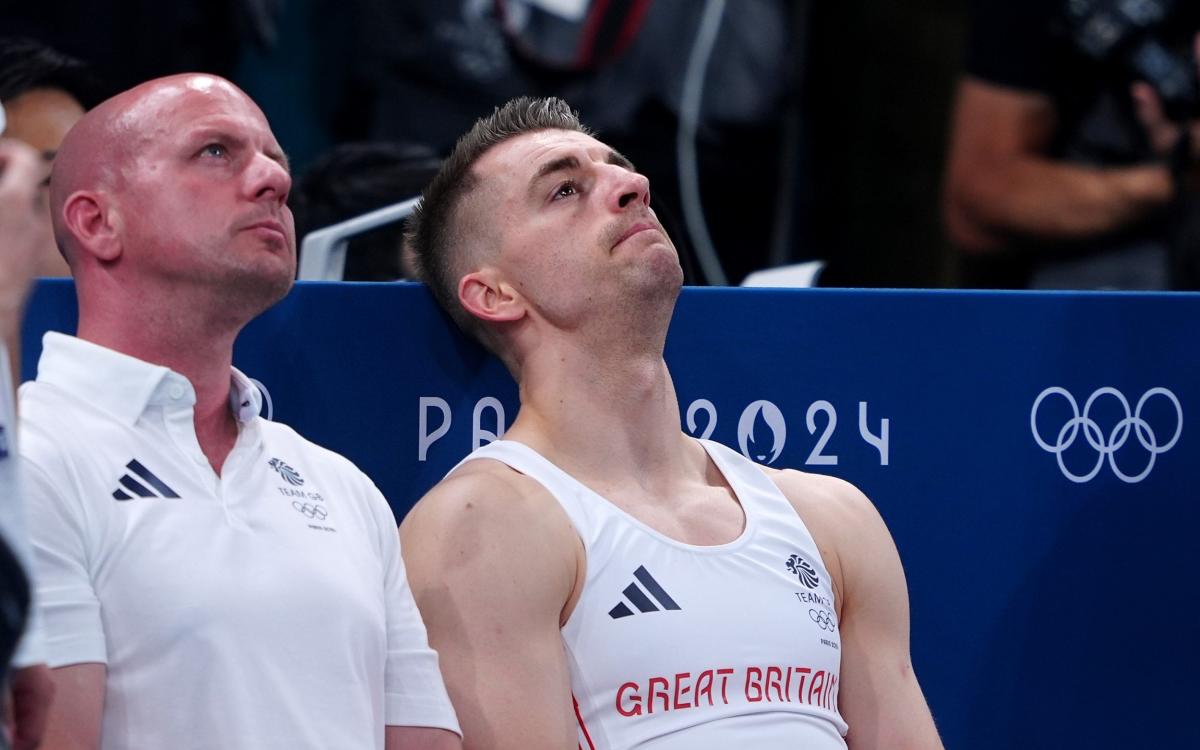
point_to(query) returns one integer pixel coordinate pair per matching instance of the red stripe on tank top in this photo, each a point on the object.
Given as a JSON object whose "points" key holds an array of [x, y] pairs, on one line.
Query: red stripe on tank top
{"points": [[582, 726]]}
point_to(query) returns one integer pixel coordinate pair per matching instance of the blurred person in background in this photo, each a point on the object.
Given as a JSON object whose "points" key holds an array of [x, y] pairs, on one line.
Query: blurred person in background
{"points": [[130, 41], [1074, 147], [23, 232], [354, 179], [706, 97], [44, 93]]}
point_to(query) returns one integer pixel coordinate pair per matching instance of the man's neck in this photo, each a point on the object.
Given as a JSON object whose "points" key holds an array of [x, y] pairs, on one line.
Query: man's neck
{"points": [[589, 412], [202, 355]]}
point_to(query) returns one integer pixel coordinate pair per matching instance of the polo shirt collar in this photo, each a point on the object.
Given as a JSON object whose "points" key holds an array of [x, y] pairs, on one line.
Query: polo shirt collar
{"points": [[245, 400], [126, 386]]}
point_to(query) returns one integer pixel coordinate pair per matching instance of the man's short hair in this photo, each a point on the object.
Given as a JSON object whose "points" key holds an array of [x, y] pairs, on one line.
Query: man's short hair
{"points": [[26, 64], [435, 230]]}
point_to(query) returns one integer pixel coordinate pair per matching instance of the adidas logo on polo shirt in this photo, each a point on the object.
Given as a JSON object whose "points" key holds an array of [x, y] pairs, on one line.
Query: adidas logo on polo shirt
{"points": [[643, 599], [144, 485]]}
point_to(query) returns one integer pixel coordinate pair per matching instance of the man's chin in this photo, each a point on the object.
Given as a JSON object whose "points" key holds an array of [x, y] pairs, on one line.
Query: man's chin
{"points": [[261, 287], [664, 266], [276, 286]]}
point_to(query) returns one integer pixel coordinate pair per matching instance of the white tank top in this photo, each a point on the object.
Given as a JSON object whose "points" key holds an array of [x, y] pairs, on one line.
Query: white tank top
{"points": [[675, 646]]}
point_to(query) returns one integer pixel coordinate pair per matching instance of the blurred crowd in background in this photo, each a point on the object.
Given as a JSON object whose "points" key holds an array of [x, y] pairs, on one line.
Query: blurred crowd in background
{"points": [[932, 143]]}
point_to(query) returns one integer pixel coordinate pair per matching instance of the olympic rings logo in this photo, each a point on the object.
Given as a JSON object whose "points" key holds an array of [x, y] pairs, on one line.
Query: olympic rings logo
{"points": [[823, 619], [310, 511], [1106, 446]]}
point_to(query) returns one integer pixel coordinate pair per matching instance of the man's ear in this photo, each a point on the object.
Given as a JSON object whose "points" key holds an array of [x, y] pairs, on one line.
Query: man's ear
{"points": [[94, 223], [488, 297]]}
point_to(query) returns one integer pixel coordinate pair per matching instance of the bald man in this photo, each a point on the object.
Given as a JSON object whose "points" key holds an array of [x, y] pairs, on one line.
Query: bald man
{"points": [[209, 579]]}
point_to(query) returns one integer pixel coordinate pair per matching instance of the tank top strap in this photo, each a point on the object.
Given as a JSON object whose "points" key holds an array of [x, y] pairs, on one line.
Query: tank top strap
{"points": [[761, 498], [571, 494], [518, 456]]}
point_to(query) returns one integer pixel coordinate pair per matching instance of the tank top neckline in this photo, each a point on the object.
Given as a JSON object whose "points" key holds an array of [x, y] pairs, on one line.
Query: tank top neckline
{"points": [[740, 489]]}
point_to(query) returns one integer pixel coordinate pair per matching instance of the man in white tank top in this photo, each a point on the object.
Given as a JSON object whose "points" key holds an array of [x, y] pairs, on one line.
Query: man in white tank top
{"points": [[599, 579]]}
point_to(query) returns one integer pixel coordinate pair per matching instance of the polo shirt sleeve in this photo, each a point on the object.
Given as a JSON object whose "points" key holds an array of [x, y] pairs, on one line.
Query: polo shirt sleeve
{"points": [[69, 609], [30, 649], [414, 692]]}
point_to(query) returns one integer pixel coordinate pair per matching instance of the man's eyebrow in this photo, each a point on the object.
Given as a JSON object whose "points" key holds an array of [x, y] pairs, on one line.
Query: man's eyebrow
{"points": [[280, 156], [567, 163], [620, 160], [562, 164], [215, 133], [204, 135]]}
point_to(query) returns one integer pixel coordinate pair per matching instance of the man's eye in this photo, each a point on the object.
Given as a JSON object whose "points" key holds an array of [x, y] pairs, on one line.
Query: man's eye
{"points": [[565, 190], [214, 149]]}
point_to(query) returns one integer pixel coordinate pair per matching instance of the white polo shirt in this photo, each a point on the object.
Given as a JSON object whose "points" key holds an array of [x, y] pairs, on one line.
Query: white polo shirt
{"points": [[265, 608]]}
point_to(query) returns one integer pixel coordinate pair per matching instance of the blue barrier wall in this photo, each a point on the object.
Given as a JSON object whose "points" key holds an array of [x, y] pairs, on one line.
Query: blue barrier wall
{"points": [[1032, 453]]}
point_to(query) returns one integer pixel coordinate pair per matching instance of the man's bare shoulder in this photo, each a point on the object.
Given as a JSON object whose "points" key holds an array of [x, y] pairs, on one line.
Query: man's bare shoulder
{"points": [[842, 520], [487, 504], [483, 518], [879, 697], [488, 490], [827, 498]]}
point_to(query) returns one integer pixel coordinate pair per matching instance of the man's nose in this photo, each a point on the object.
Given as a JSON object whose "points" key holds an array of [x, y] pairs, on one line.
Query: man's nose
{"points": [[630, 188], [269, 180]]}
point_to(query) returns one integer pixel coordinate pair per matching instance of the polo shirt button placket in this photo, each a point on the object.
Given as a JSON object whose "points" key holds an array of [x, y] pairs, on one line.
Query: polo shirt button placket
{"points": [[182, 429]]}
